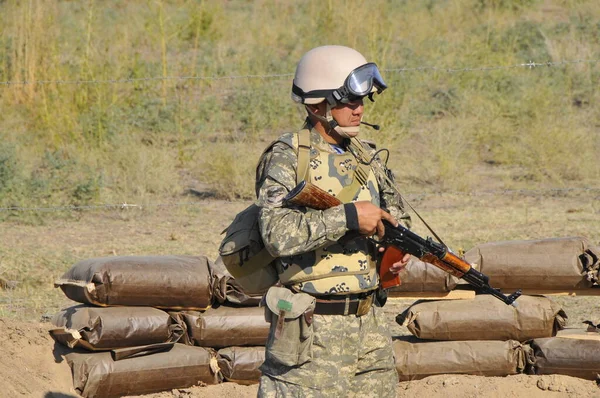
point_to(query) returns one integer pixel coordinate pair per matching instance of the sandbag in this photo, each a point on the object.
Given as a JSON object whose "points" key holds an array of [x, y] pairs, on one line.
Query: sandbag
{"points": [[417, 359], [484, 318], [558, 263], [419, 276], [227, 290], [105, 328], [98, 375], [240, 364], [228, 326], [174, 282], [566, 356]]}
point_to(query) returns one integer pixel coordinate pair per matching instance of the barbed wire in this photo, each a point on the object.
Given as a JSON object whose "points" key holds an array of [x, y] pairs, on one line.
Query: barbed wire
{"points": [[528, 65], [418, 196], [145, 79]]}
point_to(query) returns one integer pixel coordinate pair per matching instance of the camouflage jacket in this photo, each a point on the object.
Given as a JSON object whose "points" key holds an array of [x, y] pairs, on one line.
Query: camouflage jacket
{"points": [[288, 231]]}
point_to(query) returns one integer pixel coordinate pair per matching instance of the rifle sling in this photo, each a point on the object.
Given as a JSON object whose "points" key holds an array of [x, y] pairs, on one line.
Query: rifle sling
{"points": [[380, 169]]}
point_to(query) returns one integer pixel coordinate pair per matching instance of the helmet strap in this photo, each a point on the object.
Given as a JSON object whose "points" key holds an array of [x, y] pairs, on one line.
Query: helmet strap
{"points": [[331, 124], [342, 131]]}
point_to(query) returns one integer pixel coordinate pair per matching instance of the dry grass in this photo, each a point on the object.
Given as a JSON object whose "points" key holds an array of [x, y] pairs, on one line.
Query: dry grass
{"points": [[539, 123]]}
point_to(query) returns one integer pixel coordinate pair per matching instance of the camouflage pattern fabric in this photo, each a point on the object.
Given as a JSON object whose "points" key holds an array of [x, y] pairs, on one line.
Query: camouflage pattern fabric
{"points": [[306, 240], [276, 177], [338, 267], [352, 357]]}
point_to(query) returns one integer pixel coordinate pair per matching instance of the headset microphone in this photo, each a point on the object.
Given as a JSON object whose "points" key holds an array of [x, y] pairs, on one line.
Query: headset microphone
{"points": [[375, 126]]}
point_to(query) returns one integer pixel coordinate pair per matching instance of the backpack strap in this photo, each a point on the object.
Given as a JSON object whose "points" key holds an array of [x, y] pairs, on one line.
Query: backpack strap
{"points": [[302, 171]]}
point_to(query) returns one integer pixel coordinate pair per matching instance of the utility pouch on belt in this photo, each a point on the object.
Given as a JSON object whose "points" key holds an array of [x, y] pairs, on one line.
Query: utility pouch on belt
{"points": [[291, 335]]}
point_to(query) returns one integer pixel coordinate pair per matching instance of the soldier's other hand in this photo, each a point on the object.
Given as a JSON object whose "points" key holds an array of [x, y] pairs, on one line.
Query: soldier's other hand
{"points": [[369, 219]]}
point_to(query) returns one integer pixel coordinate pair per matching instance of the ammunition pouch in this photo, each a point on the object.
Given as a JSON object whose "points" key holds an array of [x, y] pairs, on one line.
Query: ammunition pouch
{"points": [[291, 334]]}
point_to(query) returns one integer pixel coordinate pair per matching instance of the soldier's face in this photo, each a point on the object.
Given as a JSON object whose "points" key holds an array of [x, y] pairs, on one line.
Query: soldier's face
{"points": [[350, 114]]}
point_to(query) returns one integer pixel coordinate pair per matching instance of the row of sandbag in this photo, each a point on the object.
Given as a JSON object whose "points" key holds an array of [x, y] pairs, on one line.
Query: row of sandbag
{"points": [[108, 328], [169, 282], [577, 356], [481, 318], [101, 375], [569, 263], [194, 282]]}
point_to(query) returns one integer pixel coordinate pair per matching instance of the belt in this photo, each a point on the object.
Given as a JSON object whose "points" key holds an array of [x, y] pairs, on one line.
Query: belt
{"points": [[349, 304]]}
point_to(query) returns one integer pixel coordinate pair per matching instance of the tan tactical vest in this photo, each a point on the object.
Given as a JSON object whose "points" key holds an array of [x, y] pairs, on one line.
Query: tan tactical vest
{"points": [[340, 268]]}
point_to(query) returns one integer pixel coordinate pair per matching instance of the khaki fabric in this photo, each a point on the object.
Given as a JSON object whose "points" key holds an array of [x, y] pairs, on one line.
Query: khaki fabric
{"points": [[565, 356], [558, 263], [98, 375], [227, 326], [174, 282], [419, 359], [241, 364], [106, 328], [419, 276], [484, 318]]}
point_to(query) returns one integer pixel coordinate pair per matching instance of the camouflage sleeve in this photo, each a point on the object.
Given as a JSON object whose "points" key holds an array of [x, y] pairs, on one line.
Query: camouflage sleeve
{"points": [[287, 231]]}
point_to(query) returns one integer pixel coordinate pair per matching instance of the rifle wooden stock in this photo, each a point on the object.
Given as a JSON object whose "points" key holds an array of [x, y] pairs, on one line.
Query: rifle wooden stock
{"points": [[309, 195]]}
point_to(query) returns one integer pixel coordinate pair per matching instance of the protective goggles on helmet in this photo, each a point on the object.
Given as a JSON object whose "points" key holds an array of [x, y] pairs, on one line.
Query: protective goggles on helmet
{"points": [[359, 83]]}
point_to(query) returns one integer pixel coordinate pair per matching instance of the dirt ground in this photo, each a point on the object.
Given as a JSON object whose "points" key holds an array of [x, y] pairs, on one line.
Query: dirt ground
{"points": [[33, 254]]}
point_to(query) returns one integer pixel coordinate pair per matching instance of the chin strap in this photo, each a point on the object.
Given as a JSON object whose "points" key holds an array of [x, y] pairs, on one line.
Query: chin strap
{"points": [[330, 122]]}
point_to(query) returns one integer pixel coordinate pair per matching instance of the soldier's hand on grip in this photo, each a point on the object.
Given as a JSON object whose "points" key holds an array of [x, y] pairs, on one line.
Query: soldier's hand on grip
{"points": [[369, 219]]}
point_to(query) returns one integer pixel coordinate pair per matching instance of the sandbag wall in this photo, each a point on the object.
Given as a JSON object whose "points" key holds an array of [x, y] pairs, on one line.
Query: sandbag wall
{"points": [[176, 321], [153, 323], [483, 336]]}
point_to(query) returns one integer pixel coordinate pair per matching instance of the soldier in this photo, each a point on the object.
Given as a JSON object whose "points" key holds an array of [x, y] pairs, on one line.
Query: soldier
{"points": [[343, 345]]}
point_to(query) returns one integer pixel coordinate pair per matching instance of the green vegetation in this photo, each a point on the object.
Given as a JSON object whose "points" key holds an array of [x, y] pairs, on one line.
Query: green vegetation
{"points": [[67, 141]]}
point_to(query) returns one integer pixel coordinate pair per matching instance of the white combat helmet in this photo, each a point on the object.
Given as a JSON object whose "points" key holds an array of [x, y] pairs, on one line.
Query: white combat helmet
{"points": [[338, 75], [335, 73]]}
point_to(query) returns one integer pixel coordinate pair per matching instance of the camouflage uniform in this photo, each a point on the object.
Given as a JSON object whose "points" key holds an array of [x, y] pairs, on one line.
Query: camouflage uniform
{"points": [[351, 355]]}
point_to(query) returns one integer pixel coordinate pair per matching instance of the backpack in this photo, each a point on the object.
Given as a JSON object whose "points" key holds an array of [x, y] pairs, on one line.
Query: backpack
{"points": [[242, 249]]}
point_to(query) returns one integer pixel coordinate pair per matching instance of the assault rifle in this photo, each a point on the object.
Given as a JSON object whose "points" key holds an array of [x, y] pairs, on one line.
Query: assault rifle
{"points": [[399, 240]]}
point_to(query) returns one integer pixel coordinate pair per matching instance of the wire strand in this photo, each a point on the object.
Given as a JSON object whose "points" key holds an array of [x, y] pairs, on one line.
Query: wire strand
{"points": [[528, 65]]}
